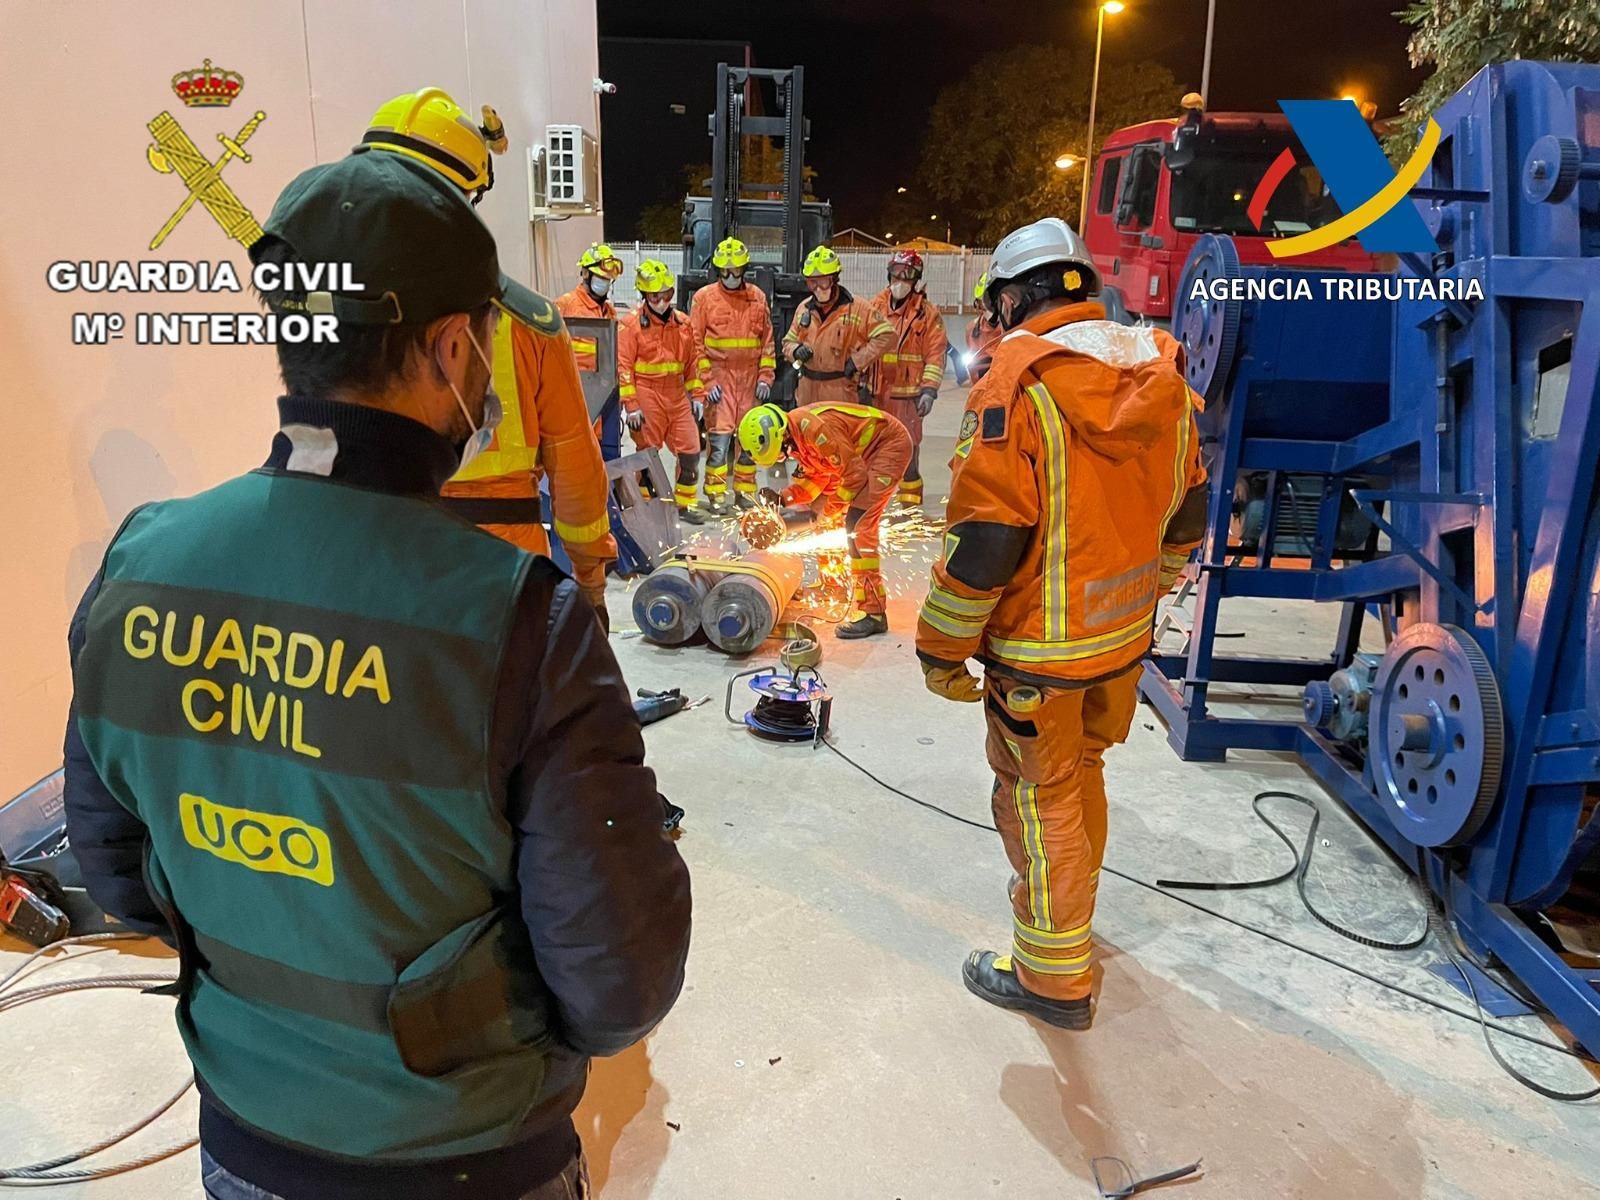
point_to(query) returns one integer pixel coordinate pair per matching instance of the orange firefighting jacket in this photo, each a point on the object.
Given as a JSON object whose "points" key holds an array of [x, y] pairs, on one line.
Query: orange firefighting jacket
{"points": [[733, 342], [915, 360], [1073, 454], [837, 447], [851, 329], [981, 337], [580, 302], [544, 430], [654, 357]]}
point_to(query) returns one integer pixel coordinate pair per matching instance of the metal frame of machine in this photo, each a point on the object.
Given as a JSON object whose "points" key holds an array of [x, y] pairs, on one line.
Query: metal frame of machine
{"points": [[1472, 747]]}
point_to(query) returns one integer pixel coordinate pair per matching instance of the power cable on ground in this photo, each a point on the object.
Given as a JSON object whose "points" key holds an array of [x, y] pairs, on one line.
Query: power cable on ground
{"points": [[1389, 985]]}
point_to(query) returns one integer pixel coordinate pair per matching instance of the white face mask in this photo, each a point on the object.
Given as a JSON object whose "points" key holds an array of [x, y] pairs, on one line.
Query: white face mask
{"points": [[733, 282], [480, 437], [900, 288], [659, 302], [599, 285]]}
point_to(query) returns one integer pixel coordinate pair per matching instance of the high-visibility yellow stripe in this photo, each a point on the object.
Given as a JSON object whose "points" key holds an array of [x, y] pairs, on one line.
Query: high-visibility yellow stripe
{"points": [[705, 365], [1046, 939], [955, 627], [1179, 461], [577, 535], [805, 488], [768, 361], [662, 368], [881, 327], [866, 564], [960, 605], [1076, 648], [733, 343], [1026, 799], [893, 357], [585, 345], [509, 452], [627, 390], [1055, 522], [849, 410], [933, 372], [869, 432], [845, 493], [1076, 965]]}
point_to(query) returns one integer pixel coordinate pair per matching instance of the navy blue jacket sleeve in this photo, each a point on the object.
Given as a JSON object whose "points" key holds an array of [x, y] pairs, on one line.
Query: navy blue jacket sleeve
{"points": [[604, 892], [107, 839]]}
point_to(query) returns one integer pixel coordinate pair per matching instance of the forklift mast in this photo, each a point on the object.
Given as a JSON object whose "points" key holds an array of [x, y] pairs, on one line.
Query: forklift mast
{"points": [[730, 124]]}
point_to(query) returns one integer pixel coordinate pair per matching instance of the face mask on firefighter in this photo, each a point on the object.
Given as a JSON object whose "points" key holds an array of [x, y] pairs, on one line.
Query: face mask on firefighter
{"points": [[599, 285], [659, 302], [732, 278], [900, 288]]}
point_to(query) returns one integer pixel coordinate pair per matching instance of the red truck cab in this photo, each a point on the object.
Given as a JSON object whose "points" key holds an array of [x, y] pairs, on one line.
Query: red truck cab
{"points": [[1149, 203]]}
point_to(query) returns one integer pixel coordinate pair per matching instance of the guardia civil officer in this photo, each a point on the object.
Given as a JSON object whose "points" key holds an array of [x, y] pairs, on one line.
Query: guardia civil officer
{"points": [[372, 770]]}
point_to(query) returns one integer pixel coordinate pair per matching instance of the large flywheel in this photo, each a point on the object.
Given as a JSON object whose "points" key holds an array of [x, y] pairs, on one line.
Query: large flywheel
{"points": [[1207, 327]]}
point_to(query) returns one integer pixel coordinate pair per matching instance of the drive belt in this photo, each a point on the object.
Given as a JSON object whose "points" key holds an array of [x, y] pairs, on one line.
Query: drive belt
{"points": [[497, 510]]}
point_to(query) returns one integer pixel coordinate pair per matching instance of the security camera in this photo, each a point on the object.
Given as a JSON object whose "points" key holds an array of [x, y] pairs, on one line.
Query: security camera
{"points": [[601, 86]]}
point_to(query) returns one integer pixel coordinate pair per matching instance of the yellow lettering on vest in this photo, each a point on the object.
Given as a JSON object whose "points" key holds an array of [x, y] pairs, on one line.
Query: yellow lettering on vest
{"points": [[214, 690], [265, 643], [335, 660], [369, 673], [313, 649], [228, 643], [260, 723], [197, 628], [266, 842], [297, 741], [143, 643]]}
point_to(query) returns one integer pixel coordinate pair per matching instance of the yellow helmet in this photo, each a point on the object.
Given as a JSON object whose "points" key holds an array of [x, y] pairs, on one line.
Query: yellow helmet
{"points": [[730, 254], [981, 287], [761, 433], [601, 260], [821, 261], [652, 275], [431, 128]]}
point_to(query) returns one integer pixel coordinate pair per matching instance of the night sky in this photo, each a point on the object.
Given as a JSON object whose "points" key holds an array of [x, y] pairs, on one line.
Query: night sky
{"points": [[873, 67]]}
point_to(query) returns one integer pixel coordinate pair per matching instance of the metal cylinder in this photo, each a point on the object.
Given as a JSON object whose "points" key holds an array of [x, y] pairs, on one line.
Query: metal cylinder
{"points": [[666, 606], [744, 606]]}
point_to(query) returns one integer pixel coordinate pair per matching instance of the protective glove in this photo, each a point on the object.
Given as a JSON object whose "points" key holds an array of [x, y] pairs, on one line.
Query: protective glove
{"points": [[864, 393], [925, 401], [953, 683], [798, 518], [850, 368], [698, 408], [635, 420], [714, 394], [801, 352], [763, 390], [768, 498], [597, 597]]}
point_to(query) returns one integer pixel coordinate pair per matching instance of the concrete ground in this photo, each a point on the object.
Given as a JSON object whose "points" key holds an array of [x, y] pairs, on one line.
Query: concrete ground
{"points": [[824, 1046]]}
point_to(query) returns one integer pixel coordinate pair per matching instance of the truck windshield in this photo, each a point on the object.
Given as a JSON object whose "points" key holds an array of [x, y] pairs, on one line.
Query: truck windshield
{"points": [[1212, 194]]}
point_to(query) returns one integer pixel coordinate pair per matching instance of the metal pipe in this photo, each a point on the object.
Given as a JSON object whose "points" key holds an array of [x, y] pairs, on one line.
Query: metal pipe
{"points": [[742, 609]]}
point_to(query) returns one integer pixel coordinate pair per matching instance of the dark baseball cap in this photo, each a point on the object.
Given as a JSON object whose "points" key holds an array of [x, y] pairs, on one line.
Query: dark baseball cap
{"points": [[409, 236]]}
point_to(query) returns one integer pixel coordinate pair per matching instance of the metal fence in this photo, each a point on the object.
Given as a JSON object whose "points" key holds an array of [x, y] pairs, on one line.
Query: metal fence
{"points": [[949, 276]]}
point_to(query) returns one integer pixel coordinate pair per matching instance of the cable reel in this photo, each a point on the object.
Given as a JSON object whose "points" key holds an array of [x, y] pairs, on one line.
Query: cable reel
{"points": [[793, 704]]}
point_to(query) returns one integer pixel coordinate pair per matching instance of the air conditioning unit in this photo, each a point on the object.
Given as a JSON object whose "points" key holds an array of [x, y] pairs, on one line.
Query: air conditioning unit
{"points": [[564, 173]]}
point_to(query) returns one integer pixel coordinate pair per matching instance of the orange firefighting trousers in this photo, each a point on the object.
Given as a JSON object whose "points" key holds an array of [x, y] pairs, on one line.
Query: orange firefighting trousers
{"points": [[886, 463], [1050, 807]]}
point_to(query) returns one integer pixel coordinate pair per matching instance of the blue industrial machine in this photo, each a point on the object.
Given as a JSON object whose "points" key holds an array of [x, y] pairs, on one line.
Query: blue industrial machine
{"points": [[1431, 459]]}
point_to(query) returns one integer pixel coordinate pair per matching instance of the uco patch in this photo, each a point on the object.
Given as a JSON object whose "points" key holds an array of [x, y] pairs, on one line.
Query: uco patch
{"points": [[969, 425]]}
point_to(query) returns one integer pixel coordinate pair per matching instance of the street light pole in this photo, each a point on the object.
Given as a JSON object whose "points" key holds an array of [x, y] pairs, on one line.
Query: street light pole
{"points": [[1205, 71], [1111, 6]]}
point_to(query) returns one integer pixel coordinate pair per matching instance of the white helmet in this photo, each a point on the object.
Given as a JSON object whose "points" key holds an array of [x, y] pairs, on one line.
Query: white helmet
{"points": [[1041, 244]]}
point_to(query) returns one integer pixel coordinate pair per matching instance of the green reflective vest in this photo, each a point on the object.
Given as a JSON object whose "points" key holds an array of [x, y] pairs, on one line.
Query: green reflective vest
{"points": [[290, 682]]}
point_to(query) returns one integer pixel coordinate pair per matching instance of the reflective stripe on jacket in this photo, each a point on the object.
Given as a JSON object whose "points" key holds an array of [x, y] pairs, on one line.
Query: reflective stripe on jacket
{"points": [[850, 329], [580, 302], [914, 363], [733, 338], [545, 430], [656, 356], [835, 446], [1067, 470]]}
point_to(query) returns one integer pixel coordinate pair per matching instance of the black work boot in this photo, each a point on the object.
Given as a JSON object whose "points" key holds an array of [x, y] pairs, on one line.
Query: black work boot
{"points": [[866, 625], [1001, 987], [744, 501], [691, 516]]}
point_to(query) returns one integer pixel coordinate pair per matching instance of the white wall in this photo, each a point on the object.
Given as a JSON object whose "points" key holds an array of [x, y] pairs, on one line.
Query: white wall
{"points": [[91, 432]]}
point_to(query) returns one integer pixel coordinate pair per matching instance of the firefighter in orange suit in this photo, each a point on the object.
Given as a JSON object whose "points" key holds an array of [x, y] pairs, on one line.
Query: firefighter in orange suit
{"points": [[850, 457], [834, 337], [982, 333], [598, 269], [1076, 498], [545, 430], [732, 326], [658, 381], [907, 378]]}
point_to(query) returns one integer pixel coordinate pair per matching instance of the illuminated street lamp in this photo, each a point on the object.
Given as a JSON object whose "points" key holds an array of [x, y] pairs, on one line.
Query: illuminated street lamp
{"points": [[900, 191], [1107, 6], [1066, 162]]}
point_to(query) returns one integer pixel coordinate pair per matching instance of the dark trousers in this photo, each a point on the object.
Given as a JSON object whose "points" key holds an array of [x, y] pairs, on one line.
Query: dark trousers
{"points": [[222, 1184]]}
